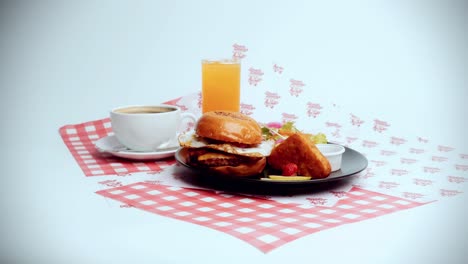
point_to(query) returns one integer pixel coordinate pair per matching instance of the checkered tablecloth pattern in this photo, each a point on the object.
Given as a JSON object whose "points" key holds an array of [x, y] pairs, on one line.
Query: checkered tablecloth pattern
{"points": [[80, 138], [265, 224]]}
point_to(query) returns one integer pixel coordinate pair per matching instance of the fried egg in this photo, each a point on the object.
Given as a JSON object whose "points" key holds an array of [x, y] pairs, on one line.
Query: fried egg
{"points": [[191, 140]]}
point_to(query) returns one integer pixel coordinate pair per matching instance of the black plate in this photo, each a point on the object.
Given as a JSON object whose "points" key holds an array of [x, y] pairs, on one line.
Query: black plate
{"points": [[353, 162]]}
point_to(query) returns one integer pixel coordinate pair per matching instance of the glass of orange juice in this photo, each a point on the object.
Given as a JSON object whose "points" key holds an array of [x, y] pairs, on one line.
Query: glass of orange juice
{"points": [[220, 85]]}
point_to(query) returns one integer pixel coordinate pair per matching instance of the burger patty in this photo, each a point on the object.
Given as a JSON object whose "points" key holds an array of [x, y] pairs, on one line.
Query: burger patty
{"points": [[210, 158]]}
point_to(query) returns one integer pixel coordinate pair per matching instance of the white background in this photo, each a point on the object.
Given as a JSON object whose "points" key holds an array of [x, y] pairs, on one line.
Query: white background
{"points": [[70, 62]]}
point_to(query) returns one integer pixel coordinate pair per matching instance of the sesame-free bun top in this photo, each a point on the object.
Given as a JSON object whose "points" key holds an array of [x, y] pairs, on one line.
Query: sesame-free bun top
{"points": [[229, 126]]}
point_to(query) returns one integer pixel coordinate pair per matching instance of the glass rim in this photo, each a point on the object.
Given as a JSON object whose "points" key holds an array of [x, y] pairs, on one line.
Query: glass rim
{"points": [[221, 61]]}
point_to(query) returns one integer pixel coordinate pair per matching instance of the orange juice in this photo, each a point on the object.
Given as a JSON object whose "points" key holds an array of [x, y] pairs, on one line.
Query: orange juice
{"points": [[220, 85]]}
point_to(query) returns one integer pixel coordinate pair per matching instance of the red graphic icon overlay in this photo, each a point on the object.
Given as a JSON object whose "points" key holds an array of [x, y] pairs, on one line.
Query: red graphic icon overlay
{"points": [[278, 69], [239, 51], [380, 126], [397, 141], [313, 109], [356, 121], [255, 76], [247, 109], [296, 87], [271, 99], [288, 117]]}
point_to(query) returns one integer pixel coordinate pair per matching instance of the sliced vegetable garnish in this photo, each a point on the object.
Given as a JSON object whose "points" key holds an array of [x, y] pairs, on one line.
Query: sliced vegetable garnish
{"points": [[289, 178], [278, 132]]}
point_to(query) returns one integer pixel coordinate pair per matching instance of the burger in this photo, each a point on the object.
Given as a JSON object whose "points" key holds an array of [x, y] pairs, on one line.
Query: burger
{"points": [[226, 143]]}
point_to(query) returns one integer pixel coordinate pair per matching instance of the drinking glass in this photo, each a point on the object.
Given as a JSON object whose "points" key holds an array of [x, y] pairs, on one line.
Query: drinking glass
{"points": [[221, 85]]}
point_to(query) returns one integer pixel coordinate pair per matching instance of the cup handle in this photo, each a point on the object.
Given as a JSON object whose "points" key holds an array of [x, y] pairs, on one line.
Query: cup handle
{"points": [[188, 115], [185, 116], [172, 142]]}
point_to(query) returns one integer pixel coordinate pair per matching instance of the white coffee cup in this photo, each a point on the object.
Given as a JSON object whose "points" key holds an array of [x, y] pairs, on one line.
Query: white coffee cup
{"points": [[148, 128]]}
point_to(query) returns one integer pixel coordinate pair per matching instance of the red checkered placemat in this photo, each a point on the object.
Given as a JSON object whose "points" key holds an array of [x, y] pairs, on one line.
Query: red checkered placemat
{"points": [[80, 138], [265, 224]]}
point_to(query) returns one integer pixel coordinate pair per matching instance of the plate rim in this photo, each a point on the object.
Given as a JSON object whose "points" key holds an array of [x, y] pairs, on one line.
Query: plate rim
{"points": [[277, 183]]}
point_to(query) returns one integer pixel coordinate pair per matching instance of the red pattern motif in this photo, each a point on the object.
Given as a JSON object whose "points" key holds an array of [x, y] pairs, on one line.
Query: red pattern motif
{"points": [[356, 121], [439, 159], [387, 152], [239, 51], [378, 163], [264, 224], [255, 76], [416, 151], [397, 141], [313, 109], [350, 140], [412, 195], [388, 185], [461, 167], [456, 179], [295, 87], [317, 201], [111, 183], [332, 124], [380, 126], [80, 140], [287, 117], [422, 182], [369, 144], [431, 169], [448, 193], [423, 140], [338, 194], [278, 69], [398, 172], [444, 148], [271, 99], [199, 100], [408, 161], [368, 174], [247, 109]]}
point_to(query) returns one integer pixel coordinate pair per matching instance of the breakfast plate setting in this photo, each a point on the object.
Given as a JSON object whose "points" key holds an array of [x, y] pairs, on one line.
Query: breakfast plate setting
{"points": [[353, 163], [379, 172], [374, 157]]}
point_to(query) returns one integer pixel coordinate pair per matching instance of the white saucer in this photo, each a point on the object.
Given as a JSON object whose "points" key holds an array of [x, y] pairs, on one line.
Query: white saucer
{"points": [[111, 145]]}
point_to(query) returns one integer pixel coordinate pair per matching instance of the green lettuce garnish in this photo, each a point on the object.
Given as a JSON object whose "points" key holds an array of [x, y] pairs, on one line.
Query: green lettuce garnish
{"points": [[319, 138], [289, 128], [266, 132]]}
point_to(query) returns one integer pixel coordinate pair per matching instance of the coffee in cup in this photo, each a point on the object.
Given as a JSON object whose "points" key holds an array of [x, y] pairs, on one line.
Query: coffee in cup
{"points": [[148, 128]]}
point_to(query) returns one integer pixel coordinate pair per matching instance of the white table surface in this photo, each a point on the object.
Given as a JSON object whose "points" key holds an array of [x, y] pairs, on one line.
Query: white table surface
{"points": [[66, 63]]}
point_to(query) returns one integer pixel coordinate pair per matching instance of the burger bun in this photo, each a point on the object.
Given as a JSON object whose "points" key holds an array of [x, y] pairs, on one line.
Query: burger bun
{"points": [[227, 126]]}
